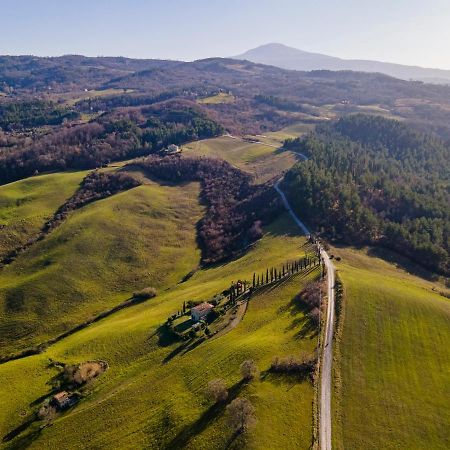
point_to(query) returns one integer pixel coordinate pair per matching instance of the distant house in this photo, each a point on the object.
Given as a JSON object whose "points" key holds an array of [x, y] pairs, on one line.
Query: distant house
{"points": [[172, 149], [201, 311], [62, 400]]}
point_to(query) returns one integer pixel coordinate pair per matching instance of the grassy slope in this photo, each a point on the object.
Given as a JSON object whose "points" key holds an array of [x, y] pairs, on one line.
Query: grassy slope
{"points": [[142, 402], [26, 205], [93, 261], [263, 161], [217, 99], [395, 359]]}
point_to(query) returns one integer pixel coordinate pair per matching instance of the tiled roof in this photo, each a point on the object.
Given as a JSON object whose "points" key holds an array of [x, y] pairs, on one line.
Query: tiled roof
{"points": [[203, 307]]}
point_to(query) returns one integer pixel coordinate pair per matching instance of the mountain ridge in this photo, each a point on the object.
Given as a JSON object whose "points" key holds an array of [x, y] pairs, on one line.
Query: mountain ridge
{"points": [[286, 57]]}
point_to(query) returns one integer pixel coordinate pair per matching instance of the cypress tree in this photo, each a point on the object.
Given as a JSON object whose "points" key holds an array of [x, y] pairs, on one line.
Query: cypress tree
{"points": [[254, 279], [267, 276]]}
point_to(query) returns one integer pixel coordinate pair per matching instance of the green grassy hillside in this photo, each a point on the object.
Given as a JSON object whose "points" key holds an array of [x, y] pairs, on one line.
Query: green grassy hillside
{"points": [[263, 161], [394, 353], [26, 205], [94, 260], [152, 394]]}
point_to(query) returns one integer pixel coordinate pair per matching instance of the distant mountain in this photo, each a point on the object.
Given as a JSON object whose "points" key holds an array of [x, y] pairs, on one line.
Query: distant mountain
{"points": [[291, 58]]}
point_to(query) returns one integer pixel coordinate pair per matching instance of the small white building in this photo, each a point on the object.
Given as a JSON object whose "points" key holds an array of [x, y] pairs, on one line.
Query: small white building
{"points": [[172, 149], [201, 311]]}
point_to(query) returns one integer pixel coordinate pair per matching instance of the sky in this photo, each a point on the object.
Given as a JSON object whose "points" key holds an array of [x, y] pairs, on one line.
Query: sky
{"points": [[413, 32]]}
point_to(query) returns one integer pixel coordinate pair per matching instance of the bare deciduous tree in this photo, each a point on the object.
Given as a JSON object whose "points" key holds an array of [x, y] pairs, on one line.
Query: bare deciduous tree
{"points": [[249, 369], [217, 390], [241, 415]]}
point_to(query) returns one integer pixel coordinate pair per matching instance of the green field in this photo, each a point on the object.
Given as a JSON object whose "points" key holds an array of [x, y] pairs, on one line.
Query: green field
{"points": [[94, 260], [290, 132], [393, 377], [216, 99], [152, 395], [26, 205], [262, 161]]}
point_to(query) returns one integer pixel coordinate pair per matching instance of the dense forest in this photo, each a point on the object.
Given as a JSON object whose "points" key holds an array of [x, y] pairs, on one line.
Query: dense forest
{"points": [[374, 180], [115, 136], [29, 114], [236, 209]]}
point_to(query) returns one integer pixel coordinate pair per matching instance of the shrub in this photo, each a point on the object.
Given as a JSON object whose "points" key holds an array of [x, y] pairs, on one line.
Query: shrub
{"points": [[249, 370], [145, 294], [216, 390], [303, 365]]}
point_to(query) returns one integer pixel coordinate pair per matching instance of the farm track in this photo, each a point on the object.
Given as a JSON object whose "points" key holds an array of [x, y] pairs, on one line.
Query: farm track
{"points": [[327, 351]]}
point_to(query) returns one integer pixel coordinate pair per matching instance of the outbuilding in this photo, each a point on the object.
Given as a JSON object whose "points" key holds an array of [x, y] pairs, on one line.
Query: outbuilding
{"points": [[62, 400]]}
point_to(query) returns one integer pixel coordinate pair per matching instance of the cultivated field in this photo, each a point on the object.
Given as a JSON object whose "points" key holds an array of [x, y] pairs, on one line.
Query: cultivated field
{"points": [[394, 358]]}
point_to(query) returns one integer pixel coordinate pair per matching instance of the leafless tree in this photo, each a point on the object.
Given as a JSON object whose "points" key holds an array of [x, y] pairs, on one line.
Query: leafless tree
{"points": [[217, 390], [249, 369], [241, 415]]}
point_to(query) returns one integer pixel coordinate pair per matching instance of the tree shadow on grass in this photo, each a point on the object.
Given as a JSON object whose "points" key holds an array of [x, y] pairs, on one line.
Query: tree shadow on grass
{"points": [[165, 336], [284, 379], [304, 324], [205, 420], [18, 430], [184, 348]]}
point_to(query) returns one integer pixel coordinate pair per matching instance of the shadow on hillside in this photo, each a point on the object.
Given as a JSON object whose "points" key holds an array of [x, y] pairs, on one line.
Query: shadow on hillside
{"points": [[392, 257], [305, 326], [402, 262], [215, 411]]}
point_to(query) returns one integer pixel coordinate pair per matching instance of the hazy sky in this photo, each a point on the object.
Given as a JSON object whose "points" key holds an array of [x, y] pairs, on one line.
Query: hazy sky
{"points": [[403, 31]]}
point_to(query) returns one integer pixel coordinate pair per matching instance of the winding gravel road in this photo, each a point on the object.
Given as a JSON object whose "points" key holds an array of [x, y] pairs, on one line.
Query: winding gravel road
{"points": [[327, 354]]}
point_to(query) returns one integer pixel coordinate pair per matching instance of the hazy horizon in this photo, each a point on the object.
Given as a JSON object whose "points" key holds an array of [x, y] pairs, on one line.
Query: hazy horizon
{"points": [[408, 32]]}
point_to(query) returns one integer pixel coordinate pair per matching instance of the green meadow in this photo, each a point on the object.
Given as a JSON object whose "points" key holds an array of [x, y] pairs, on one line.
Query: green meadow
{"points": [[95, 259], [152, 395], [392, 373], [222, 97], [26, 205], [262, 161]]}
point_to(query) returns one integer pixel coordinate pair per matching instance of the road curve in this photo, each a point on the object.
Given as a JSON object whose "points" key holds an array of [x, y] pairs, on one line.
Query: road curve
{"points": [[327, 353]]}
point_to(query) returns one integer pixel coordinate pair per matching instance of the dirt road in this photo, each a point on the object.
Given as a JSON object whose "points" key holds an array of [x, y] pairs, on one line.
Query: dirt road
{"points": [[327, 351]]}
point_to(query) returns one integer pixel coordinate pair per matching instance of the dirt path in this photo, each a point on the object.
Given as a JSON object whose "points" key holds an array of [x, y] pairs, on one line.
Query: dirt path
{"points": [[327, 354], [235, 322]]}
